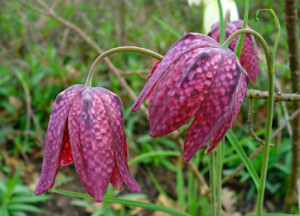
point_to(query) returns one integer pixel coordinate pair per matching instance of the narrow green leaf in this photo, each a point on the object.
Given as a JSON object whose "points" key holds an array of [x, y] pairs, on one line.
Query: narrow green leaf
{"points": [[83, 203], [12, 183], [29, 199], [23, 207], [169, 165], [136, 196], [167, 27], [3, 211], [159, 188], [240, 151], [191, 195], [275, 214], [239, 44], [124, 202], [180, 187], [142, 157], [99, 212]]}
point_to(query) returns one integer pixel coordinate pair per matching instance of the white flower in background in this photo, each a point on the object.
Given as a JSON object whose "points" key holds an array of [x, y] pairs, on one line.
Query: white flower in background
{"points": [[211, 11], [196, 2]]}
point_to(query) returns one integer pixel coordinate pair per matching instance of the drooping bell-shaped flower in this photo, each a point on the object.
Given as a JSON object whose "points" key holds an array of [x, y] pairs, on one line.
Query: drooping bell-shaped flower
{"points": [[86, 127], [196, 78], [248, 58]]}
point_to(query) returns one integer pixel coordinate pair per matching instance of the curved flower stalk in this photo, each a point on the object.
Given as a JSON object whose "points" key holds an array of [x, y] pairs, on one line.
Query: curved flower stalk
{"points": [[196, 78], [86, 127], [248, 58]]}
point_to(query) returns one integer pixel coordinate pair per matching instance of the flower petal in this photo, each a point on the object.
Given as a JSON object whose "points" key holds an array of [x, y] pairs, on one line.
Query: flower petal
{"points": [[151, 73], [66, 152], [232, 112], [113, 107], [92, 143], [187, 43], [181, 89], [211, 114], [54, 137], [248, 59], [116, 178]]}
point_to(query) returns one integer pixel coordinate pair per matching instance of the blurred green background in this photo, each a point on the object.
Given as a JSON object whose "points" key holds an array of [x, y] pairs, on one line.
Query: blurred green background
{"points": [[40, 58]]}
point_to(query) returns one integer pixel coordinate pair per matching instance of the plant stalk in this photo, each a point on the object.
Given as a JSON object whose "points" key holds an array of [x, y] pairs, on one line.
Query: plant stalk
{"points": [[221, 22], [239, 44], [212, 182], [262, 183], [117, 50], [219, 178], [218, 169]]}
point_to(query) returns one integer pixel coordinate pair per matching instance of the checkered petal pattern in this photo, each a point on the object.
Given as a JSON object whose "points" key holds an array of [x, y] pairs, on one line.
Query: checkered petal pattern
{"points": [[205, 82], [86, 127], [248, 58]]}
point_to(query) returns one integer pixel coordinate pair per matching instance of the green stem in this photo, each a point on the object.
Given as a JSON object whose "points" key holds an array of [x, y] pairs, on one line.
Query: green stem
{"points": [[147, 155], [212, 182], [239, 149], [218, 169], [117, 50], [221, 22], [239, 44], [125, 202], [263, 176], [219, 179], [262, 183]]}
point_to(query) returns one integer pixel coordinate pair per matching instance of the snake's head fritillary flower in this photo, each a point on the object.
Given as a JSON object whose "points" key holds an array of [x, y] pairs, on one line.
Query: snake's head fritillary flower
{"points": [[86, 127], [248, 58], [196, 78]]}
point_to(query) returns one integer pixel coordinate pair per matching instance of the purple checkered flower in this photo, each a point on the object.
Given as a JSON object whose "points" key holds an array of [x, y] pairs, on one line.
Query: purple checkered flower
{"points": [[196, 78], [86, 127], [248, 59]]}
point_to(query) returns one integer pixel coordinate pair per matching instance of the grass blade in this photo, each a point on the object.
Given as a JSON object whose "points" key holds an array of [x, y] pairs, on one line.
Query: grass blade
{"points": [[237, 146], [180, 187], [142, 157], [124, 202]]}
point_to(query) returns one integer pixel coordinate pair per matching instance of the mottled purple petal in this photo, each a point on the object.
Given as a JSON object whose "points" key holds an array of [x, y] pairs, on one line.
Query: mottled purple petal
{"points": [[232, 112], [113, 106], [180, 91], [151, 73], [187, 43], [210, 115], [54, 137], [248, 59], [116, 178], [92, 149]]}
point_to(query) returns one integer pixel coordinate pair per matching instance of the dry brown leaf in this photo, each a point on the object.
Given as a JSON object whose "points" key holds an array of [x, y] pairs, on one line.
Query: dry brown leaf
{"points": [[72, 73], [16, 102], [162, 200], [228, 200], [158, 213], [35, 179], [231, 214], [11, 162]]}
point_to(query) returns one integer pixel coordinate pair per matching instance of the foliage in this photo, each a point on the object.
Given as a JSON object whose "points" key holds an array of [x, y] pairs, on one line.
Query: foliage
{"points": [[40, 55], [16, 198]]}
